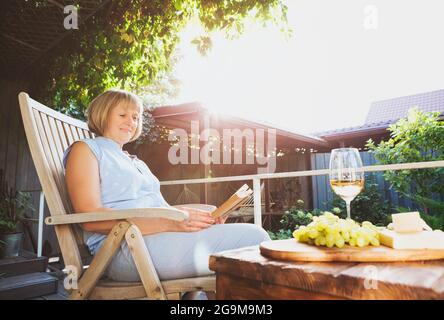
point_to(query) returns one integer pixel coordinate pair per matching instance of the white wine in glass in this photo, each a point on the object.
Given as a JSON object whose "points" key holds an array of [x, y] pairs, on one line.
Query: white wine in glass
{"points": [[346, 174]]}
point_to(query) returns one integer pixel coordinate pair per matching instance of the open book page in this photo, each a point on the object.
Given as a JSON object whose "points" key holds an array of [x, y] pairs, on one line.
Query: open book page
{"points": [[234, 202]]}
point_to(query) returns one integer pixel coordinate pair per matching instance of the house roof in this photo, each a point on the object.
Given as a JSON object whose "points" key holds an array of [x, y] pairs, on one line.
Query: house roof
{"points": [[177, 110], [196, 108], [365, 129], [384, 112], [391, 110]]}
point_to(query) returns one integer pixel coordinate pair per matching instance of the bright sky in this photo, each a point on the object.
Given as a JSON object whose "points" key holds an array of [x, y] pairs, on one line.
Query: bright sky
{"points": [[326, 76]]}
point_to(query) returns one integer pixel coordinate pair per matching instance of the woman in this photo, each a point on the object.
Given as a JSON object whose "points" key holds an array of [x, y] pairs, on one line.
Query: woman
{"points": [[100, 176]]}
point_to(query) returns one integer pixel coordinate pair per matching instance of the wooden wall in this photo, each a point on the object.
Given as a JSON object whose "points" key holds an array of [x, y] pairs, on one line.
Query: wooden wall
{"points": [[285, 191], [16, 162]]}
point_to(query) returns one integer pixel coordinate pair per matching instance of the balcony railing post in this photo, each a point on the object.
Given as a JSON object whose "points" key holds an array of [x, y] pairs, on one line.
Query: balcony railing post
{"points": [[257, 201]]}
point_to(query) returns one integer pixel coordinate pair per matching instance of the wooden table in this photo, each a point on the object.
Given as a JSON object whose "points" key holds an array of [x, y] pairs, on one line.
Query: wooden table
{"points": [[246, 274]]}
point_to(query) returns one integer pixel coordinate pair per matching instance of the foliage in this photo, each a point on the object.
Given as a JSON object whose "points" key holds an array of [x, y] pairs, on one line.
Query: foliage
{"points": [[417, 138], [287, 193], [292, 219], [435, 221], [161, 92], [281, 234], [369, 205], [129, 45], [436, 207], [150, 132], [13, 207]]}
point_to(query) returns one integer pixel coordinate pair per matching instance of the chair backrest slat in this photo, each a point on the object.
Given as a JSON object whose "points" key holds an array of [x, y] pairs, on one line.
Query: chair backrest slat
{"points": [[53, 148], [68, 133], [58, 159], [57, 139], [62, 134], [49, 133], [43, 128], [56, 153], [80, 132], [88, 134], [74, 132]]}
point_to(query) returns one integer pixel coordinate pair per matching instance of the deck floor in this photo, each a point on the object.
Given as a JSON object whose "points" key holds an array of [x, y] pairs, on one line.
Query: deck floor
{"points": [[61, 294]]}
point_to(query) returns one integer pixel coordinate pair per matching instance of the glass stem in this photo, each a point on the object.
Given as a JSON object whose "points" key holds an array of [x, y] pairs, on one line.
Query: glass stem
{"points": [[348, 209]]}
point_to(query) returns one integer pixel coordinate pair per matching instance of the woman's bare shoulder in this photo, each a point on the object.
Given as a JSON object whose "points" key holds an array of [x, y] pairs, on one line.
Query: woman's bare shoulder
{"points": [[80, 151]]}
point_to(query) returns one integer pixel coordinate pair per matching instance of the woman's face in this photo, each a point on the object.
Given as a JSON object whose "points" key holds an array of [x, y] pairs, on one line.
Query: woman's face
{"points": [[122, 123]]}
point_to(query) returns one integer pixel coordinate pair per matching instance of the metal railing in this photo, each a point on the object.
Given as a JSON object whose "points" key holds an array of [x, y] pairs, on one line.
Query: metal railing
{"points": [[256, 178]]}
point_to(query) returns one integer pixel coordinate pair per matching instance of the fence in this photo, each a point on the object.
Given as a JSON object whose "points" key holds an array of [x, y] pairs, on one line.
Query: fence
{"points": [[323, 195]]}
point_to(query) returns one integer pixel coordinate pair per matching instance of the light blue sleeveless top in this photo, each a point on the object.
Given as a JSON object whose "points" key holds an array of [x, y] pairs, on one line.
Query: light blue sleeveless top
{"points": [[125, 182]]}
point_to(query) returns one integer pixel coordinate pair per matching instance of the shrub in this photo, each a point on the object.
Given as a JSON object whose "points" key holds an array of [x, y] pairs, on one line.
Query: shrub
{"points": [[369, 205], [292, 219]]}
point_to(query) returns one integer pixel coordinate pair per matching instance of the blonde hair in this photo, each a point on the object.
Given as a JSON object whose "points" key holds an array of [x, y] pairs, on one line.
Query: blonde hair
{"points": [[99, 109]]}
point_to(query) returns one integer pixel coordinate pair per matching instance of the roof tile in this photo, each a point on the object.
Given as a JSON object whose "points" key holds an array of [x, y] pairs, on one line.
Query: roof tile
{"points": [[384, 112]]}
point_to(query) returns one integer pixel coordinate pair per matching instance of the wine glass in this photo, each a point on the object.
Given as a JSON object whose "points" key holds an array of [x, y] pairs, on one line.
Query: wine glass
{"points": [[346, 174]]}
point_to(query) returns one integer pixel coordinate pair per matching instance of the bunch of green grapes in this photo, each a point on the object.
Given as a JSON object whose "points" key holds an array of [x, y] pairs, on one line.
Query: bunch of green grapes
{"points": [[329, 230]]}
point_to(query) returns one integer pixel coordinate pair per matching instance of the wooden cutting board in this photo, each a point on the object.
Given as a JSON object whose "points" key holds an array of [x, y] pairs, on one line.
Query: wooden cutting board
{"points": [[291, 250]]}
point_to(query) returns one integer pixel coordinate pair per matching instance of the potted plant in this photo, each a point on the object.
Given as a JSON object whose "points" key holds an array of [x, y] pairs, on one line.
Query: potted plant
{"points": [[13, 208]]}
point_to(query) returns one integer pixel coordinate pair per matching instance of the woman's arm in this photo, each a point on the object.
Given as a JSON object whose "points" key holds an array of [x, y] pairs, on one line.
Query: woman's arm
{"points": [[83, 184]]}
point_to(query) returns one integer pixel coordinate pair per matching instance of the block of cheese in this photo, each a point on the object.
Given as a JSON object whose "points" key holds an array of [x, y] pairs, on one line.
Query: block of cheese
{"points": [[408, 222], [418, 240]]}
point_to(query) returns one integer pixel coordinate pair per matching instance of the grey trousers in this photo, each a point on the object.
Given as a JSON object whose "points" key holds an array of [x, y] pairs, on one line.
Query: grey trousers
{"points": [[186, 254]]}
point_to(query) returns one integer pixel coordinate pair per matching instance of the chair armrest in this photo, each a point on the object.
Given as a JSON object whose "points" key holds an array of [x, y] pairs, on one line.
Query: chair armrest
{"points": [[204, 207], [167, 213]]}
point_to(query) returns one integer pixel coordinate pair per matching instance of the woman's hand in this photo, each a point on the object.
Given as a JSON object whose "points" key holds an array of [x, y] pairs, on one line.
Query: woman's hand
{"points": [[197, 220], [221, 220]]}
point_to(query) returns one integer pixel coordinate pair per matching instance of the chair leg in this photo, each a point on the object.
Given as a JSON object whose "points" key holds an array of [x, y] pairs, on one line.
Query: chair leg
{"points": [[144, 264], [173, 296], [100, 262]]}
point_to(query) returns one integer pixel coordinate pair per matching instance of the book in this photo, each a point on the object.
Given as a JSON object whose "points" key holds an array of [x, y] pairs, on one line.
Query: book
{"points": [[232, 203]]}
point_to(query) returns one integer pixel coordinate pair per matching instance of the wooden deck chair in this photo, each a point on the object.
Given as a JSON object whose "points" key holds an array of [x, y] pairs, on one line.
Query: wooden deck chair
{"points": [[49, 133]]}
